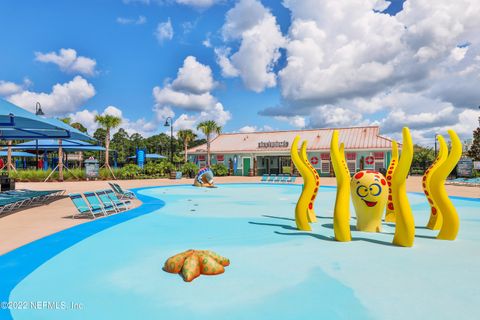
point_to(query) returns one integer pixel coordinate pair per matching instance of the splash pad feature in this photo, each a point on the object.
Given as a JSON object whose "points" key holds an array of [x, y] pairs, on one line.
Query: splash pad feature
{"points": [[371, 192], [192, 263]]}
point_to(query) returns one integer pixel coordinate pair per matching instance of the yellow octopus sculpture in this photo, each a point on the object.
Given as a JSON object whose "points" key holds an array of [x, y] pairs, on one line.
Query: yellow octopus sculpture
{"points": [[404, 222], [369, 191], [341, 212], [314, 174], [439, 196], [390, 211], [369, 196], [304, 207], [436, 220]]}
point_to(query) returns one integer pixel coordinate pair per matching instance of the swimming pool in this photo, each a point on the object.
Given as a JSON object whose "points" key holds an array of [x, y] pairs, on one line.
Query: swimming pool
{"points": [[111, 270]]}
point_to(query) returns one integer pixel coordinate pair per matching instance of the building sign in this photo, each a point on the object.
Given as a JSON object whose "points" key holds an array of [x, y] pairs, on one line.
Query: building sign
{"points": [[220, 157], [272, 144], [465, 167]]}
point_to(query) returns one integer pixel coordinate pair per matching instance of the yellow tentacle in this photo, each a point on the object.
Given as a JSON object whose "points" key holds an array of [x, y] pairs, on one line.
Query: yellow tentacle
{"points": [[451, 223], [404, 223], [301, 218], [341, 212], [436, 219], [390, 211], [316, 180]]}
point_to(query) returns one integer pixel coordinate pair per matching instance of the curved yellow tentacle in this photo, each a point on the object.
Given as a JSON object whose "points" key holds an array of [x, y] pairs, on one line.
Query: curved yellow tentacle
{"points": [[316, 178], [341, 212], [390, 211], [436, 219], [451, 223], [404, 223], [301, 218]]}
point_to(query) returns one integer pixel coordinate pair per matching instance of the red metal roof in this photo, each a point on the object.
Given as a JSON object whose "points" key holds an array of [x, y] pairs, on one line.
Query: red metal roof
{"points": [[355, 138]]}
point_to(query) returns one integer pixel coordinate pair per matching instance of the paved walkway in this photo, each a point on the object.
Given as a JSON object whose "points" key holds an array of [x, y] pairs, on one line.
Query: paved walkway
{"points": [[28, 225]]}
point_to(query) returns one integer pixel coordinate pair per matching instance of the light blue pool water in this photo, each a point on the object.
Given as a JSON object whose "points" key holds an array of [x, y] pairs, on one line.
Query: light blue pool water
{"points": [[276, 271]]}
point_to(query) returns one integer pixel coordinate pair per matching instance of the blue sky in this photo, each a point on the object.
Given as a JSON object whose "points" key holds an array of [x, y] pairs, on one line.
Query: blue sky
{"points": [[266, 47]]}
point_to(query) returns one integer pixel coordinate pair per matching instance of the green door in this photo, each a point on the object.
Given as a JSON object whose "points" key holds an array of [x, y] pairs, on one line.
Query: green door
{"points": [[246, 166]]}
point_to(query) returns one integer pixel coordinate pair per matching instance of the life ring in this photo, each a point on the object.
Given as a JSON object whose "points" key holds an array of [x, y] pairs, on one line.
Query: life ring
{"points": [[313, 160], [369, 160]]}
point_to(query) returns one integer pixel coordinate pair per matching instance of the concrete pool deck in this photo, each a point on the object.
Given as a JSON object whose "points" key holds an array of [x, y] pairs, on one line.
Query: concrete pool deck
{"points": [[25, 226]]}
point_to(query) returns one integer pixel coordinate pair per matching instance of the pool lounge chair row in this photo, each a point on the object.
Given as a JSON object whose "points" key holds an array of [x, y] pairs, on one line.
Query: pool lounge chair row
{"points": [[98, 202], [23, 198], [472, 182], [281, 178]]}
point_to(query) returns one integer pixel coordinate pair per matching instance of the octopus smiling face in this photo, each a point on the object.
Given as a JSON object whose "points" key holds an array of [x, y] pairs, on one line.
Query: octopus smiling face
{"points": [[369, 196]]}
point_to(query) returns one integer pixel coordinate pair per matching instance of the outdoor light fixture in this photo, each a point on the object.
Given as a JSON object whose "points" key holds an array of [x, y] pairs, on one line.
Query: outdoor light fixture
{"points": [[170, 124], [38, 110]]}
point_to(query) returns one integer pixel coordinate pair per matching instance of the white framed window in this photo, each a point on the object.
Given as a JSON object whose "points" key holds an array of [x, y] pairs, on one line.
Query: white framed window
{"points": [[325, 166]]}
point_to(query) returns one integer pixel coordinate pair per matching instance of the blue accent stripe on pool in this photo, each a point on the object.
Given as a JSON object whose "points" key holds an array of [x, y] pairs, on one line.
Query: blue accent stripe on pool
{"points": [[17, 264], [259, 220]]}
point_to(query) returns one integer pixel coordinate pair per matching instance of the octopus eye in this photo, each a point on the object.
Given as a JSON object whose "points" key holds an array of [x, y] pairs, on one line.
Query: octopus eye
{"points": [[362, 191], [375, 189]]}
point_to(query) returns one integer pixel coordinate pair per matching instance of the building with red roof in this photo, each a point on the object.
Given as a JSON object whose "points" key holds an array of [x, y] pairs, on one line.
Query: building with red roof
{"points": [[258, 153]]}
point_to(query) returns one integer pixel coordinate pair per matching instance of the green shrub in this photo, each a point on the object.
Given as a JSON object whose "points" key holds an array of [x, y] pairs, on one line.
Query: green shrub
{"points": [[189, 169], [167, 167], [219, 170], [76, 174], [153, 169], [130, 171]]}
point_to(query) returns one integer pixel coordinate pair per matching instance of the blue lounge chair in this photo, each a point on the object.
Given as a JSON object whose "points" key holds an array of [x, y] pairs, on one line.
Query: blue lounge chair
{"points": [[83, 208], [95, 202], [264, 178], [117, 201], [284, 178], [274, 178], [120, 191], [105, 199], [292, 179], [271, 177]]}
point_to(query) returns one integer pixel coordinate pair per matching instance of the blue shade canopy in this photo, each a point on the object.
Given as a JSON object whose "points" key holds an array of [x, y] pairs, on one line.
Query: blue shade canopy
{"points": [[150, 156], [18, 123], [52, 144], [17, 154]]}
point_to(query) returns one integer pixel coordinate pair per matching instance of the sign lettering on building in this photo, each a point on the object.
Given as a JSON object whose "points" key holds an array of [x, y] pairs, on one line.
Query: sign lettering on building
{"points": [[273, 144]]}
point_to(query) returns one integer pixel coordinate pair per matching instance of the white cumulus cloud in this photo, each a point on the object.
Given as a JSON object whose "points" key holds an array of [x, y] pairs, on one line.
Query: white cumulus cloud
{"points": [[260, 40], [69, 61], [164, 31], [64, 98]]}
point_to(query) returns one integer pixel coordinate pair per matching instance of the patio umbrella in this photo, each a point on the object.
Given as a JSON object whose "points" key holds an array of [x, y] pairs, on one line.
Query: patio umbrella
{"points": [[52, 144], [17, 123]]}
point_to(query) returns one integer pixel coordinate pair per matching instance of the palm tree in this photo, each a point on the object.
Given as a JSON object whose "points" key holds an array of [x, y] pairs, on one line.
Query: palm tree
{"points": [[208, 128], [186, 136], [108, 122]]}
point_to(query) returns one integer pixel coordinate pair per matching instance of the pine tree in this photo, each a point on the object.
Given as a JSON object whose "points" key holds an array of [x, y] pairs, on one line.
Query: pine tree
{"points": [[474, 151]]}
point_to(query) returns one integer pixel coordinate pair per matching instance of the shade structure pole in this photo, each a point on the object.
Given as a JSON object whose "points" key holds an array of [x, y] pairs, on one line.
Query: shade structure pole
{"points": [[9, 158], [60, 160], [36, 152]]}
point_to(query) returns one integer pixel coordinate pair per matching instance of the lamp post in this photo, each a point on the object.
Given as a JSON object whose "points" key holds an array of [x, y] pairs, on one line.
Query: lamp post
{"points": [[170, 124], [38, 112]]}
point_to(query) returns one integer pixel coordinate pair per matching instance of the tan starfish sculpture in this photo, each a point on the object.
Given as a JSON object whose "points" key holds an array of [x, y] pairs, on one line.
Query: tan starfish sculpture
{"points": [[192, 263]]}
